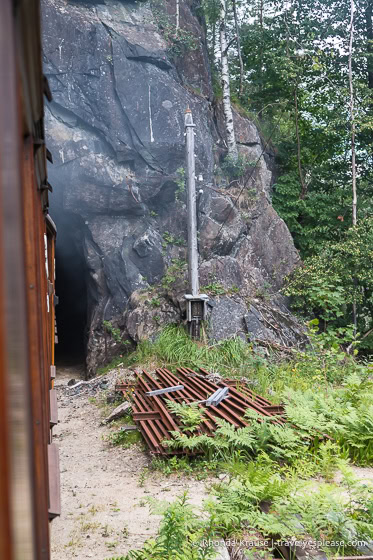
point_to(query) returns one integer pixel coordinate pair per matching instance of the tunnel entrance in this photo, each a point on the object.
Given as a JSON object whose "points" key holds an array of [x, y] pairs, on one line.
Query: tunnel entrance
{"points": [[71, 289]]}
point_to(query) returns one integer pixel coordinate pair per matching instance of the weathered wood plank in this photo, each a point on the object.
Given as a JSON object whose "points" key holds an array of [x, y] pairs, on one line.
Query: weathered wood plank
{"points": [[53, 407], [54, 481]]}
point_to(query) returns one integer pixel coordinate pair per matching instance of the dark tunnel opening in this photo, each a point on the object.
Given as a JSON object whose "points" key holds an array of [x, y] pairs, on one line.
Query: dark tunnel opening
{"points": [[71, 289]]}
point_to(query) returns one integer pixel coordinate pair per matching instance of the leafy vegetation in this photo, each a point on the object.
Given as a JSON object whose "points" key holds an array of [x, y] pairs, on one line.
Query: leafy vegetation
{"points": [[322, 363], [115, 333], [174, 347], [155, 302], [297, 509], [304, 74], [290, 467], [123, 438], [190, 414], [346, 415], [173, 273], [179, 40], [291, 73], [180, 537], [180, 181], [339, 276], [185, 466], [236, 168], [170, 239], [217, 289]]}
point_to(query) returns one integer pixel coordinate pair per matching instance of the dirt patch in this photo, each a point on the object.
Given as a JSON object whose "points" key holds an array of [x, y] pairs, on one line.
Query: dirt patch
{"points": [[103, 488]]}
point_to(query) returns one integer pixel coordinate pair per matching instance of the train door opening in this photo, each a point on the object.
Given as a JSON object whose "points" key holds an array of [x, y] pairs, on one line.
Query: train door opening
{"points": [[71, 291]]}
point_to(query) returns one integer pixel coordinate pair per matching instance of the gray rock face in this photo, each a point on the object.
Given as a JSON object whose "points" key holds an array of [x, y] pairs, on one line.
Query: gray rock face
{"points": [[115, 128], [227, 318]]}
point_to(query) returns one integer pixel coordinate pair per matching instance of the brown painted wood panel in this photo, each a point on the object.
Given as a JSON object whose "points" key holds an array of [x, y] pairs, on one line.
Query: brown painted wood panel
{"points": [[40, 413], [5, 524], [26, 324], [53, 407], [54, 481], [13, 310]]}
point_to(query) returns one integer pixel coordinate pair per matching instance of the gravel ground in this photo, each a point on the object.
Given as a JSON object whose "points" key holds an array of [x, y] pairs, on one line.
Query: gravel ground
{"points": [[104, 508], [104, 489]]}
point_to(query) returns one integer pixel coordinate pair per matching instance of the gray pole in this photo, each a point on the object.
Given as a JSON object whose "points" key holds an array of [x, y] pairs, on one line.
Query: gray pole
{"points": [[192, 210]]}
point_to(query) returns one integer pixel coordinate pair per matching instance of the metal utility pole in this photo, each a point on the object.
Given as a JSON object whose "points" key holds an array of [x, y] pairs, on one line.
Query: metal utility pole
{"points": [[196, 302], [192, 208]]}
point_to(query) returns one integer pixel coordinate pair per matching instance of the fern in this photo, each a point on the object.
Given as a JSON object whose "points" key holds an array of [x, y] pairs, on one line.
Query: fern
{"points": [[234, 438], [346, 415], [356, 434], [191, 415], [193, 443], [226, 441], [180, 536], [296, 508]]}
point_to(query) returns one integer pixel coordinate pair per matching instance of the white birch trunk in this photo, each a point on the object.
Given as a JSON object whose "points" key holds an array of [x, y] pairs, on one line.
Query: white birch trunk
{"points": [[352, 117], [238, 44], [227, 107], [177, 14], [353, 148]]}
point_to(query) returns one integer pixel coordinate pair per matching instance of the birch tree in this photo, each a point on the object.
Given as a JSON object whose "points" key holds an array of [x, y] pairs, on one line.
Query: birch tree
{"points": [[177, 14], [227, 106], [352, 116], [236, 24], [353, 134]]}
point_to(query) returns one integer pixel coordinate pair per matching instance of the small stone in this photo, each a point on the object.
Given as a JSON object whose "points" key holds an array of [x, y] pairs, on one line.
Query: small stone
{"points": [[110, 399], [71, 382], [118, 412], [128, 428]]}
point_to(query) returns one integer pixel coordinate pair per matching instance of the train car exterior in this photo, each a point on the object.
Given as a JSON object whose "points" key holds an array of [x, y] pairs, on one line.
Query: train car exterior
{"points": [[29, 465]]}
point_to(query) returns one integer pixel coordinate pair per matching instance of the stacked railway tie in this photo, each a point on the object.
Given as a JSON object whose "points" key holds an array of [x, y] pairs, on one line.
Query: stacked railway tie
{"points": [[227, 399]]}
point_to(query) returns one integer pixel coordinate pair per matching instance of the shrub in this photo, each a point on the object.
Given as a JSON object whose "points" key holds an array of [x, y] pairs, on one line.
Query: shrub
{"points": [[328, 284], [235, 168]]}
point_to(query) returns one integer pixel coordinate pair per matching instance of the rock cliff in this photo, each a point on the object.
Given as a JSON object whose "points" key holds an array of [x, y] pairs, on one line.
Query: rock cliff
{"points": [[121, 83]]}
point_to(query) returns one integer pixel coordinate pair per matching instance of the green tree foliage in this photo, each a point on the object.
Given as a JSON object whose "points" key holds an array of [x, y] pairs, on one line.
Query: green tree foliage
{"points": [[296, 89], [330, 282], [296, 64]]}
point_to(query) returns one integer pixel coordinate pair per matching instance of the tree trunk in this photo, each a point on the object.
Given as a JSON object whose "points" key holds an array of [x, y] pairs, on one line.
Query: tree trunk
{"points": [[213, 57], [352, 117], [261, 53], [177, 14], [353, 149], [300, 171], [227, 107], [369, 49], [238, 46], [368, 19]]}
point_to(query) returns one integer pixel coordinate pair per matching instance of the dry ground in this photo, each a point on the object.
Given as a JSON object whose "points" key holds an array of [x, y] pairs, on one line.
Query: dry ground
{"points": [[104, 509], [104, 488]]}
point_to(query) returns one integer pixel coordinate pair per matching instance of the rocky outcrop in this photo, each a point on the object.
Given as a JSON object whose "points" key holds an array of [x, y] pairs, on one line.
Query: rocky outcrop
{"points": [[120, 87]]}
